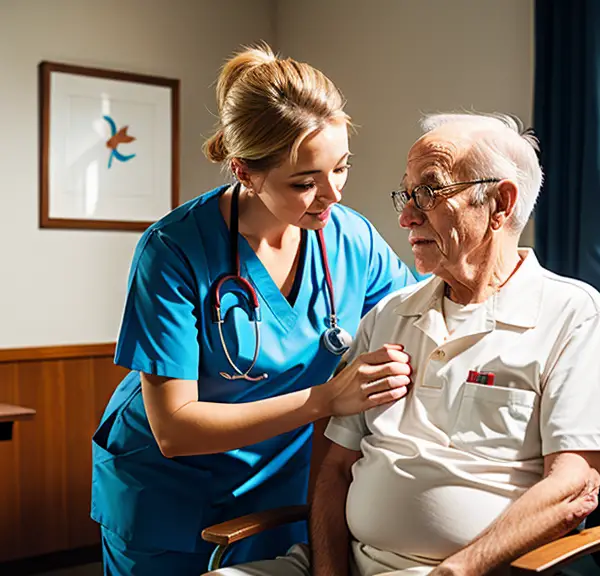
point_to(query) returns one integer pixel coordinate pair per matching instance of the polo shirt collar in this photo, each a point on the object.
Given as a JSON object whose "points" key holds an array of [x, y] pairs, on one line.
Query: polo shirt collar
{"points": [[517, 303]]}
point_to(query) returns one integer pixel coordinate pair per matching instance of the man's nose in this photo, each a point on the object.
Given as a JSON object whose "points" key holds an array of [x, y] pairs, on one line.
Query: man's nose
{"points": [[411, 216]]}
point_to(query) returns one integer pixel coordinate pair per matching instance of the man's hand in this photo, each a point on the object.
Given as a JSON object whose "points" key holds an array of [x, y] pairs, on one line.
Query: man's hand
{"points": [[444, 570], [454, 567]]}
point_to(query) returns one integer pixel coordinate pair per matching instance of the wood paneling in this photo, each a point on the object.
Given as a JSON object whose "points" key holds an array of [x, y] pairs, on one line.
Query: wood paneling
{"points": [[9, 456], [45, 470], [57, 352]]}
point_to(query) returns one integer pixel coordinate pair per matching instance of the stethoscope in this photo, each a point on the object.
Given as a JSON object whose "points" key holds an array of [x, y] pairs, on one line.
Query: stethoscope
{"points": [[335, 339]]}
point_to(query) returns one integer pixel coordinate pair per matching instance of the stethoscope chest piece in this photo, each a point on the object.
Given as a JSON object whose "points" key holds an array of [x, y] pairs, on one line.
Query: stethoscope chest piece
{"points": [[336, 340]]}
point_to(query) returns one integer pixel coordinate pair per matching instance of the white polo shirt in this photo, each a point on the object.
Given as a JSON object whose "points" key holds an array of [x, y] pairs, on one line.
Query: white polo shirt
{"points": [[442, 463]]}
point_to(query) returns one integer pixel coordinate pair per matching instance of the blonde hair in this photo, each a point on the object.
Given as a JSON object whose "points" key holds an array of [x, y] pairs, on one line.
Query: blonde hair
{"points": [[268, 106]]}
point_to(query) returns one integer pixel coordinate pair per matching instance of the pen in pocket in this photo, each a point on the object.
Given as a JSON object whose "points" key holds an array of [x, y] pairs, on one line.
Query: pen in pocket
{"points": [[486, 378]]}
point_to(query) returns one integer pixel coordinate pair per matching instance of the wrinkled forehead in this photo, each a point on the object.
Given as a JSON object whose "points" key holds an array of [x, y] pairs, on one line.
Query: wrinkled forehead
{"points": [[433, 159]]}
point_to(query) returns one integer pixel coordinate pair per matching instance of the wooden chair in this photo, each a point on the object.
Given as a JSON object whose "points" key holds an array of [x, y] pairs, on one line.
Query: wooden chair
{"points": [[545, 560]]}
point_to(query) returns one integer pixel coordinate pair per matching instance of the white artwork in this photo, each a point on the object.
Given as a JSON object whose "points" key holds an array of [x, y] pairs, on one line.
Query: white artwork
{"points": [[109, 148]]}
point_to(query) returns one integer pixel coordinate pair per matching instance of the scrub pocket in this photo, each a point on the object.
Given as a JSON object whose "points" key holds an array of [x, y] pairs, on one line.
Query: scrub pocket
{"points": [[144, 497], [498, 423]]}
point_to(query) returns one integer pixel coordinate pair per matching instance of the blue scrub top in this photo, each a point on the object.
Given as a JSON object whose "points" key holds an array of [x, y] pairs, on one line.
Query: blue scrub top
{"points": [[167, 330]]}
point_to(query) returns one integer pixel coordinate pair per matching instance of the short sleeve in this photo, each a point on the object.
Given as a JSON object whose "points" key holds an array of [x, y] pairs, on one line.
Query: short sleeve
{"points": [[348, 431], [386, 272], [570, 403], [159, 331]]}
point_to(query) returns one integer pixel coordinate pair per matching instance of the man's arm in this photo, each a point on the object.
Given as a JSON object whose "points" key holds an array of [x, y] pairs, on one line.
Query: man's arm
{"points": [[571, 439], [549, 509], [329, 536]]}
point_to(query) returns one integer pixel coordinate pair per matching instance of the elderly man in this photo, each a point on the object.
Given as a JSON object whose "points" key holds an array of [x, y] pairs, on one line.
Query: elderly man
{"points": [[496, 449]]}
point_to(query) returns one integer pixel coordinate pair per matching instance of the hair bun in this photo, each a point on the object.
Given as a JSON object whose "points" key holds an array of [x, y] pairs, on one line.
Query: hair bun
{"points": [[214, 148], [241, 63]]}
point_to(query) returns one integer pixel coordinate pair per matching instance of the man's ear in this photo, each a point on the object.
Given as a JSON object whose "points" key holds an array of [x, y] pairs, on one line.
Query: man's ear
{"points": [[504, 205]]}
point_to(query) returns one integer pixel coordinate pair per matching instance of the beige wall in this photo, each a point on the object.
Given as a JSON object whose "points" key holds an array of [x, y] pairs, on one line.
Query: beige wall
{"points": [[59, 287], [395, 59], [392, 58]]}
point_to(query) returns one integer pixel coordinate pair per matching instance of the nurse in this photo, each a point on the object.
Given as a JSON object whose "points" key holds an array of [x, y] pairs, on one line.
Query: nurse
{"points": [[240, 303]]}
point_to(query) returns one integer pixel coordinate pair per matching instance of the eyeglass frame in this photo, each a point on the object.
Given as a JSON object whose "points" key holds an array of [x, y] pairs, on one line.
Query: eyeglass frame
{"points": [[435, 192]]}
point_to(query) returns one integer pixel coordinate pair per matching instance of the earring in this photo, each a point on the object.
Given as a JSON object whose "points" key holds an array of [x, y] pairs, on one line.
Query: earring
{"points": [[237, 172]]}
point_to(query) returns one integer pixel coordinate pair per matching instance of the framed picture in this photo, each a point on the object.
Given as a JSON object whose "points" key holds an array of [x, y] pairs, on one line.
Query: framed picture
{"points": [[109, 148]]}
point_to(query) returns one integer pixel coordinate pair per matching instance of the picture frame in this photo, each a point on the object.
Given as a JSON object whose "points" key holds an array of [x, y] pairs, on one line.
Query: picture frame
{"points": [[109, 148]]}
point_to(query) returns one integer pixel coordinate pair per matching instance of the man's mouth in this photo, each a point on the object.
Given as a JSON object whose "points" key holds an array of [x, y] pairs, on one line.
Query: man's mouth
{"points": [[420, 241]]}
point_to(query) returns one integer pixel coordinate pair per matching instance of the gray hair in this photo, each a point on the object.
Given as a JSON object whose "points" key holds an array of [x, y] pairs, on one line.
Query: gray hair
{"points": [[500, 149]]}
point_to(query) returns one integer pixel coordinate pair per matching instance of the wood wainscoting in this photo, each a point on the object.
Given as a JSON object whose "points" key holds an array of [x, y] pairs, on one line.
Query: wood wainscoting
{"points": [[45, 470]]}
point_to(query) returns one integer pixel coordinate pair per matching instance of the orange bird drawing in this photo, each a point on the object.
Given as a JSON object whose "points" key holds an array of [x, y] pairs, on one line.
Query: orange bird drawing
{"points": [[117, 138], [121, 137]]}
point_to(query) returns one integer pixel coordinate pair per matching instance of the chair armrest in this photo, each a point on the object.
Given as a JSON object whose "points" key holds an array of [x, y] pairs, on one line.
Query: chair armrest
{"points": [[554, 555], [231, 531]]}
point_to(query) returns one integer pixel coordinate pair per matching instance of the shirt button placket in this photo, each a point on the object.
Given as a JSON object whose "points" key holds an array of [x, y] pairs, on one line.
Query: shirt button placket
{"points": [[439, 354]]}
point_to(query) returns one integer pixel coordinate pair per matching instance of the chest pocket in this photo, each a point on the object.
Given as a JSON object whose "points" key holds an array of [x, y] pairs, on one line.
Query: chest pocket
{"points": [[498, 423]]}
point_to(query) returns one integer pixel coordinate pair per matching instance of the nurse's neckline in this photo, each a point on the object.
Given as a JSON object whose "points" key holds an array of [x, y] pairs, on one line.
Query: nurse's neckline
{"points": [[256, 267], [290, 233]]}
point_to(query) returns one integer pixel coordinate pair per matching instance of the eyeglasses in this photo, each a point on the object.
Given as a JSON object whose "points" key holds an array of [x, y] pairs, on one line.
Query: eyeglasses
{"points": [[425, 196]]}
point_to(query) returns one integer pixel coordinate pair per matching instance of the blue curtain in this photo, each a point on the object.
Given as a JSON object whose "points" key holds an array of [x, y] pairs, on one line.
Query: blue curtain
{"points": [[567, 122]]}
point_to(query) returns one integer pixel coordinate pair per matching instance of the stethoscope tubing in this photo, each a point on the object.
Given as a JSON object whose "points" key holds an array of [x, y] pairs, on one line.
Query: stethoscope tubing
{"points": [[248, 289]]}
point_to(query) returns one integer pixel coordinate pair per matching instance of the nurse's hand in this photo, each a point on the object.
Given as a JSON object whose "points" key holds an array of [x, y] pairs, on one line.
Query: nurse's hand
{"points": [[374, 378]]}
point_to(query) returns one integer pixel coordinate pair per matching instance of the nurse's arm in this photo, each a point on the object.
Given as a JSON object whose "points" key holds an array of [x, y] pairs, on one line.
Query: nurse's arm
{"points": [[184, 426], [329, 535], [549, 509]]}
